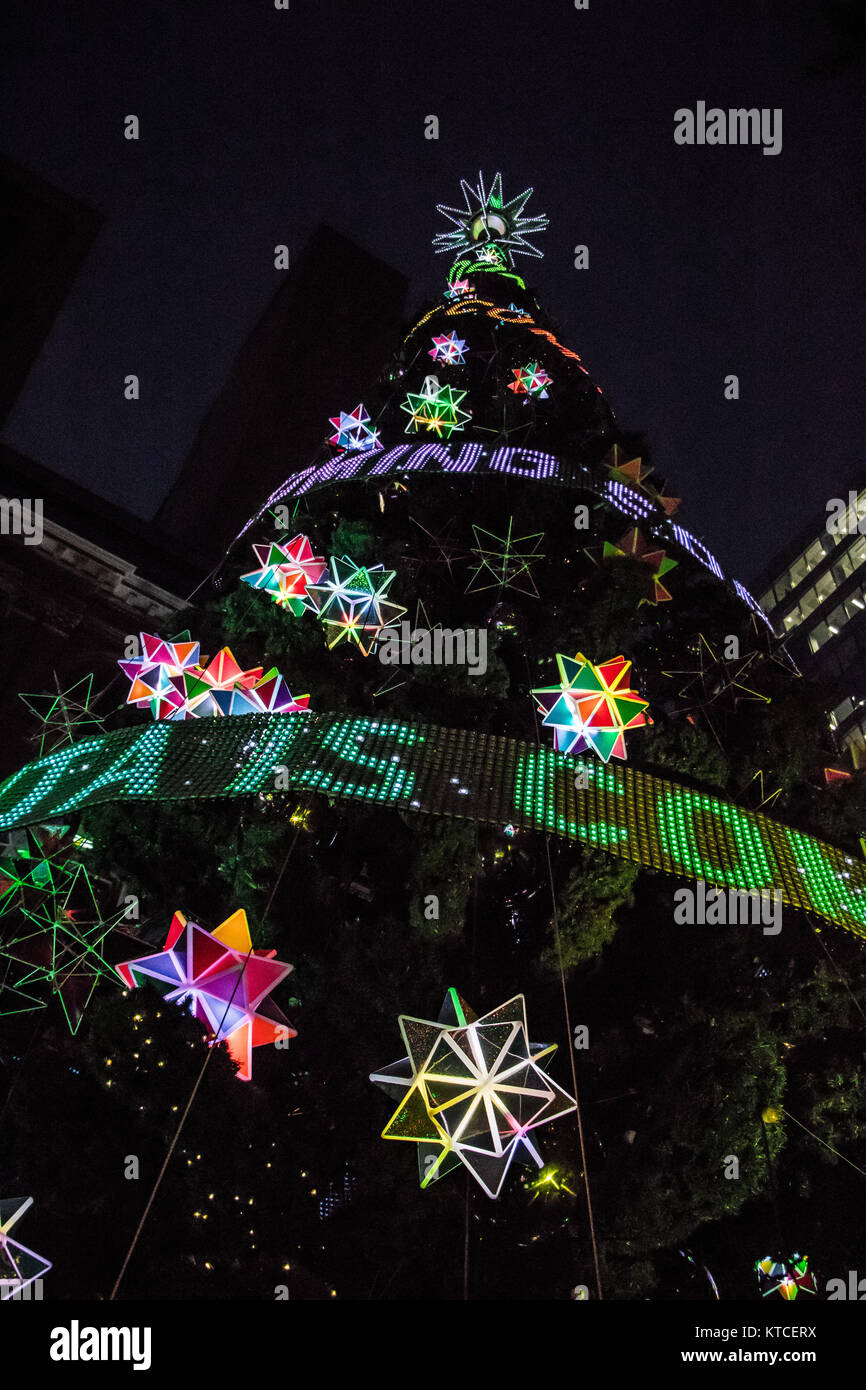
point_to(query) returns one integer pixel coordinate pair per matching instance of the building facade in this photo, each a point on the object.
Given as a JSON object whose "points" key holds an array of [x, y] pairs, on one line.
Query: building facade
{"points": [[814, 593]]}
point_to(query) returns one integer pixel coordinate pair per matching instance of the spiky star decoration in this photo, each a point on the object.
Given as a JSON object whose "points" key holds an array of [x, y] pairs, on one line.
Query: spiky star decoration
{"points": [[18, 1265], [352, 430], [635, 473], [787, 1278], [649, 553], [531, 380], [52, 931], [505, 562], [487, 217], [448, 349], [221, 980], [285, 570], [435, 409], [592, 706], [64, 715], [173, 682], [716, 679], [470, 1091], [351, 602]]}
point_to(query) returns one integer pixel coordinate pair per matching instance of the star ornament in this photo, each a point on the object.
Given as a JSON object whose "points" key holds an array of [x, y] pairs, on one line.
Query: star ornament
{"points": [[592, 707], [787, 1278], [352, 603], [470, 1092], [18, 1265], [64, 715], [221, 981], [285, 570], [449, 349], [487, 217], [175, 684], [531, 380], [505, 562], [435, 409], [352, 430]]}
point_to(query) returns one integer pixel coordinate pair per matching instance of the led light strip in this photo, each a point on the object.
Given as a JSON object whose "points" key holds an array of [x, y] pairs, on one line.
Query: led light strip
{"points": [[533, 464], [448, 772]]}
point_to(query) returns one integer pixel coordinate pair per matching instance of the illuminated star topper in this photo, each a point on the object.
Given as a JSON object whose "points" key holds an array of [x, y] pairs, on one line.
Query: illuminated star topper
{"points": [[222, 982], [470, 1091], [18, 1265], [487, 217], [592, 706]]}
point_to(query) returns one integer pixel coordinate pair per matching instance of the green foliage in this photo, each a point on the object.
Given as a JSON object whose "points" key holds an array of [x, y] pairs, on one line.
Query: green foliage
{"points": [[598, 886]]}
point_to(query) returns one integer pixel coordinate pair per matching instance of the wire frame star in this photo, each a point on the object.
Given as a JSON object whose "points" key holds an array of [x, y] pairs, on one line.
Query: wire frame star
{"points": [[19, 1266], [435, 409], [64, 715], [52, 941], [505, 562], [487, 217], [470, 1092], [592, 706], [444, 549], [221, 980], [352, 603], [716, 679]]}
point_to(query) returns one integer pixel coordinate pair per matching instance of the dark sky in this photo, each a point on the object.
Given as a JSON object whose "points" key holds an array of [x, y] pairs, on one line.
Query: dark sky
{"points": [[256, 124]]}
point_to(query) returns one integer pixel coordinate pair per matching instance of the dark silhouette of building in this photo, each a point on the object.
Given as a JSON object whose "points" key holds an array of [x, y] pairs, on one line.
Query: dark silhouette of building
{"points": [[323, 338]]}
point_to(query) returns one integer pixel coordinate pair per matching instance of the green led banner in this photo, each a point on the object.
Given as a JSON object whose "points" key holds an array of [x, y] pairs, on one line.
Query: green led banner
{"points": [[447, 772]]}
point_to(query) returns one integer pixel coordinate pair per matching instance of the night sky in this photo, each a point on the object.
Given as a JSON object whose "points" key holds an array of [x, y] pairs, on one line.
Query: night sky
{"points": [[257, 124]]}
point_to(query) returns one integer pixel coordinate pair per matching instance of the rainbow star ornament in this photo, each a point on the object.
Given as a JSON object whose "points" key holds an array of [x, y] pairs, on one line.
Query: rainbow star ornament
{"points": [[285, 570], [592, 706], [470, 1091], [18, 1265], [222, 981], [531, 380], [787, 1278], [352, 430]]}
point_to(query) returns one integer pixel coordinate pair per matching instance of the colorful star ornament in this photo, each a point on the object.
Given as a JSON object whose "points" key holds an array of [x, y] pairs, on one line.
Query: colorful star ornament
{"points": [[531, 380], [52, 931], [505, 562], [285, 570], [787, 1278], [592, 706], [353, 430], [174, 683], [222, 982], [487, 217], [19, 1266], [635, 473], [457, 289], [635, 543], [435, 409], [449, 349], [351, 602], [470, 1091]]}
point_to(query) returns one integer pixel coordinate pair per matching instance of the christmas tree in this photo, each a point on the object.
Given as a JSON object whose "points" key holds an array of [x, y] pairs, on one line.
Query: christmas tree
{"points": [[551, 764]]}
